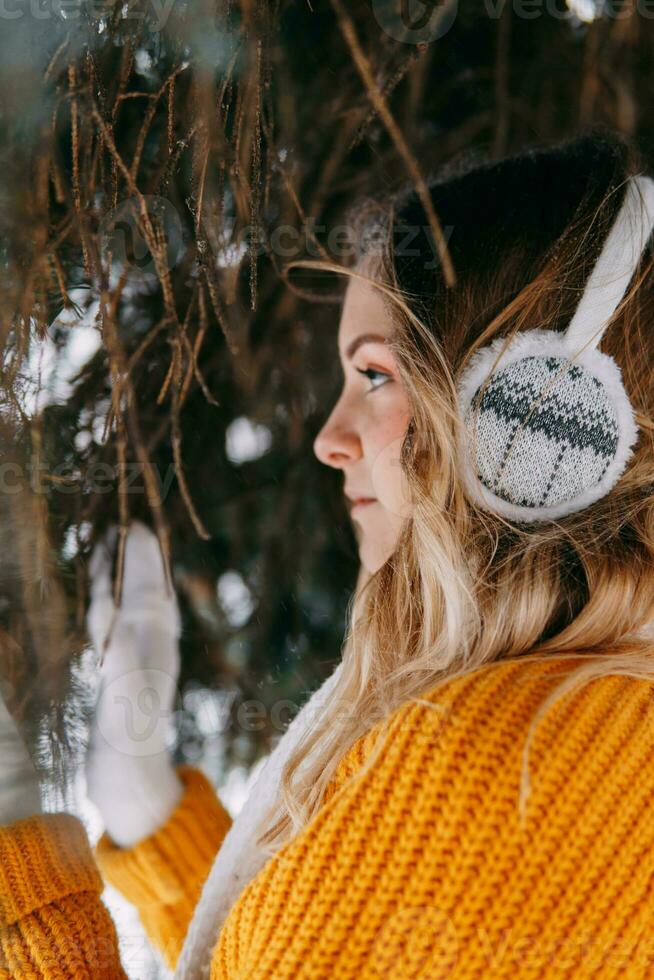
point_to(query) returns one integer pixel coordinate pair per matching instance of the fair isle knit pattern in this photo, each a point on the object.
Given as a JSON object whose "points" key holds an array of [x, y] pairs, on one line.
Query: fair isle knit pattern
{"points": [[555, 431], [421, 868], [543, 432]]}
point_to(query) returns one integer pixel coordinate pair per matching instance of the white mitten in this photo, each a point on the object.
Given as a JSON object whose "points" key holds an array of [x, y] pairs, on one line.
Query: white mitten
{"points": [[129, 775], [20, 795]]}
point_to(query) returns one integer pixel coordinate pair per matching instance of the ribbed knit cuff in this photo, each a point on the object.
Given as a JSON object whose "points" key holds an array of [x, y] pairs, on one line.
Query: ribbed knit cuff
{"points": [[165, 867], [42, 859]]}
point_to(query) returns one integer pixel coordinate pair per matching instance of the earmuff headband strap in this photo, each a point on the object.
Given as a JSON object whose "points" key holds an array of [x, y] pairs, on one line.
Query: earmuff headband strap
{"points": [[615, 266]]}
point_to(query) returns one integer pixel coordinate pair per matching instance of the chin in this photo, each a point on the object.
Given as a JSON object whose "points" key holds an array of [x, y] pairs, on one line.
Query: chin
{"points": [[376, 540], [372, 557]]}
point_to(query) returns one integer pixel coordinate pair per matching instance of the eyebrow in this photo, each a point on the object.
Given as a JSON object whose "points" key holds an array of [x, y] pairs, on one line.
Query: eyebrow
{"points": [[363, 338]]}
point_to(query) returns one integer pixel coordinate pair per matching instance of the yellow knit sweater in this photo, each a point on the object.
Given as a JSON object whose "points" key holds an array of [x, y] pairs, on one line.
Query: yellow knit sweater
{"points": [[421, 869]]}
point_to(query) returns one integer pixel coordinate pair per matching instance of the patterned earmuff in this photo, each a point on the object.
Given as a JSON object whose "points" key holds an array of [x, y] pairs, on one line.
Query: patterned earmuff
{"points": [[548, 426]]}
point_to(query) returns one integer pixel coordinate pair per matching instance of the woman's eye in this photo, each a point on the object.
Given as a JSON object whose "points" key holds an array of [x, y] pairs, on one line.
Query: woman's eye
{"points": [[377, 378]]}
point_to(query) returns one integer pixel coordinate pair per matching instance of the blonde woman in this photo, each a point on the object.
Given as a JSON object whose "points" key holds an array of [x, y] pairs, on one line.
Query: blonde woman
{"points": [[474, 798]]}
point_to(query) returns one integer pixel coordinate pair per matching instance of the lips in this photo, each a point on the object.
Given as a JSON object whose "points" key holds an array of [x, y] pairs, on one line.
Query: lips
{"points": [[358, 502]]}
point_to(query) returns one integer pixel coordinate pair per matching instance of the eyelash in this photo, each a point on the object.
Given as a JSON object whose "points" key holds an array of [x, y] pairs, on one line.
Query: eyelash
{"points": [[371, 373]]}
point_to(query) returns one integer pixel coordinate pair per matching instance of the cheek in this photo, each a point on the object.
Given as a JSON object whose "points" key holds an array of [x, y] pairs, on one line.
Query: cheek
{"points": [[383, 451]]}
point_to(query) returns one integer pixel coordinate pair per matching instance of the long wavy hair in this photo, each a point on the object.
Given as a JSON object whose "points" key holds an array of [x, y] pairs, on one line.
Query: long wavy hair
{"points": [[464, 587]]}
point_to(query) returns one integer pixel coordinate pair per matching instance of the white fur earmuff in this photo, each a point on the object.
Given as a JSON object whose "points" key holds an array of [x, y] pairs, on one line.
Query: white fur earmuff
{"points": [[548, 427]]}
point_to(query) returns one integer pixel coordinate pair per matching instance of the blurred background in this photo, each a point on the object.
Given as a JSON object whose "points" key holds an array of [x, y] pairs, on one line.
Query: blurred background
{"points": [[161, 163]]}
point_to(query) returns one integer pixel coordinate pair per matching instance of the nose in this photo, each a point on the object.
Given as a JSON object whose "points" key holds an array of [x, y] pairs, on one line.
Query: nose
{"points": [[337, 443]]}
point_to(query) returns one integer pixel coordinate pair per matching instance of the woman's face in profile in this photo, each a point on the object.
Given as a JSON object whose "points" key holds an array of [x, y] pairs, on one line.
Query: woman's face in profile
{"points": [[364, 433]]}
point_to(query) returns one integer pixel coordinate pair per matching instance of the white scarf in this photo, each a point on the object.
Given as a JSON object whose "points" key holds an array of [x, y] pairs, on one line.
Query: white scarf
{"points": [[239, 859]]}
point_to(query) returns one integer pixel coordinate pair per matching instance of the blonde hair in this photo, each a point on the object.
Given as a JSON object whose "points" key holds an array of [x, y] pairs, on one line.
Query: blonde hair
{"points": [[464, 587]]}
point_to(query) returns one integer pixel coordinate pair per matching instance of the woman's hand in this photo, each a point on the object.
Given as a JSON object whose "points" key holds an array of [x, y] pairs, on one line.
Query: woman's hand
{"points": [[20, 795], [130, 777]]}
